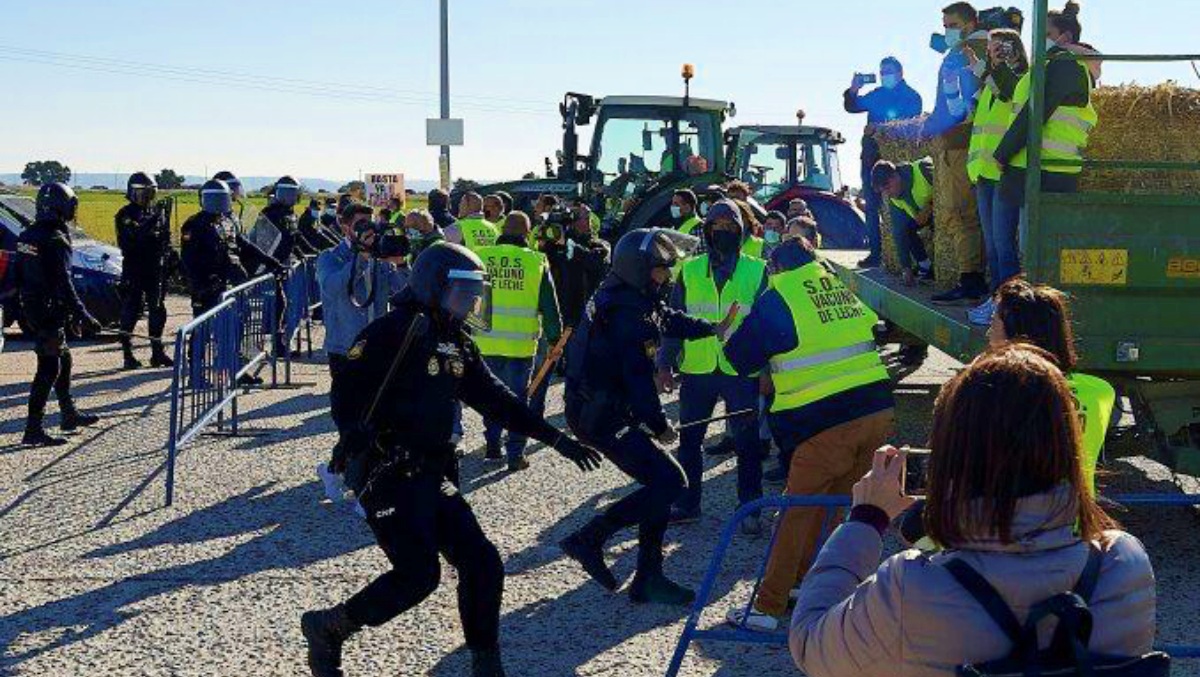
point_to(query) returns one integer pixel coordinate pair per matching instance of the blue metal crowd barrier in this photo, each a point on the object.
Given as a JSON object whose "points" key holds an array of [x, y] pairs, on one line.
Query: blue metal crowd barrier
{"points": [[255, 302], [296, 312], [205, 378], [831, 504]]}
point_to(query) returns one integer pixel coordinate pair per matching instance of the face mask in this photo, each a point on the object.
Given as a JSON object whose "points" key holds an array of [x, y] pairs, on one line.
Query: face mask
{"points": [[890, 81], [771, 236], [1050, 44], [330, 211], [412, 233], [725, 243], [676, 212], [953, 37], [314, 212], [703, 209]]}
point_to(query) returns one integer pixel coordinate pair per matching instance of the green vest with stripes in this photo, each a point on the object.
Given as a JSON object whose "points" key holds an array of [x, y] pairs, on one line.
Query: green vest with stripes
{"points": [[1094, 400], [993, 117], [919, 196], [516, 276], [477, 233], [836, 350], [701, 299], [753, 247], [1066, 133]]}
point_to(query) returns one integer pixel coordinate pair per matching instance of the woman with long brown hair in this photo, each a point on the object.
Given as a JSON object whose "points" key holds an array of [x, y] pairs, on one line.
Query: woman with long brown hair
{"points": [[1007, 497]]}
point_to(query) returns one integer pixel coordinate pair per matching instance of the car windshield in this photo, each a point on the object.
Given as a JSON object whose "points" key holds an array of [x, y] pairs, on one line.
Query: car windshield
{"points": [[637, 145]]}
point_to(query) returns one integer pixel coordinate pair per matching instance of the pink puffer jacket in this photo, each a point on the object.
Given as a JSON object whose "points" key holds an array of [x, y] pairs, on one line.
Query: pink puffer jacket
{"points": [[910, 617]]}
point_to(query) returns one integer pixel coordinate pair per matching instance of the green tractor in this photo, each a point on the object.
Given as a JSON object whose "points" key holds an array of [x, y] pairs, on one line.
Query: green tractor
{"points": [[642, 149]]}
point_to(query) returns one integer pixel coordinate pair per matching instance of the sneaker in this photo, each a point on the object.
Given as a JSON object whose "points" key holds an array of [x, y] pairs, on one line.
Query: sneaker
{"points": [[658, 589], [74, 420], [957, 295], [871, 261], [41, 438], [682, 516], [981, 315], [518, 464], [752, 620], [335, 489]]}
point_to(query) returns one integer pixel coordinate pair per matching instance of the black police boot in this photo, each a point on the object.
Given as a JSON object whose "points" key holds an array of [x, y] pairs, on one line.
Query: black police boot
{"points": [[493, 453], [73, 419], [486, 663], [131, 362], [36, 436], [723, 447], [656, 588], [159, 357], [586, 546], [326, 630]]}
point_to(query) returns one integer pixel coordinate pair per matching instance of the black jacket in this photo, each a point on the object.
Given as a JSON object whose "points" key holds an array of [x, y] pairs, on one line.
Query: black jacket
{"points": [[144, 236], [292, 240], [417, 408], [577, 278], [610, 360], [310, 227], [47, 292], [211, 254]]}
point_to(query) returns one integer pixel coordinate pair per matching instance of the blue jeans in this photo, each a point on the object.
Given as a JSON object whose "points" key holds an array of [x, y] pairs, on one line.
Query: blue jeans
{"points": [[910, 250], [698, 395], [999, 221], [513, 372], [874, 241]]}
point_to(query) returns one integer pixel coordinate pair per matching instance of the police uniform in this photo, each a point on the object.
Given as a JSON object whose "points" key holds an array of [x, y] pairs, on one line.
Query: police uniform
{"points": [[833, 403], [292, 240], [48, 303], [144, 236], [213, 255]]}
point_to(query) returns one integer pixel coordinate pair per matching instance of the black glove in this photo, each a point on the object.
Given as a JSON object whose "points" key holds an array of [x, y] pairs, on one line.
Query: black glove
{"points": [[585, 457]]}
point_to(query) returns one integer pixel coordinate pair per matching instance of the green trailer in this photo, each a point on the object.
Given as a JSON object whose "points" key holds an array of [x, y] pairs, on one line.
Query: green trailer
{"points": [[1131, 264]]}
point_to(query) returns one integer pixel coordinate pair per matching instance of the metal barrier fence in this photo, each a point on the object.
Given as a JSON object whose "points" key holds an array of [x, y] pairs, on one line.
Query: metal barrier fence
{"points": [[832, 504], [295, 314], [204, 382], [255, 303]]}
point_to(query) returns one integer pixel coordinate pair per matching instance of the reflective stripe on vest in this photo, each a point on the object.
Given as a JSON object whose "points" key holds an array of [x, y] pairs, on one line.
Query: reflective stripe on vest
{"points": [[704, 356], [1094, 400], [477, 233], [836, 350], [1066, 133], [690, 225], [921, 195], [516, 276], [993, 117]]}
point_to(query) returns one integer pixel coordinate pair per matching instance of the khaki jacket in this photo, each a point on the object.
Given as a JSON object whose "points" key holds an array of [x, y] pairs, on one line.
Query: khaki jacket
{"points": [[910, 617]]}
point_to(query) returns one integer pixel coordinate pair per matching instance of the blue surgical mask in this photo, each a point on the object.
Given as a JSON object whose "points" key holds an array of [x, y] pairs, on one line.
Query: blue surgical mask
{"points": [[889, 81], [676, 212], [1050, 44], [703, 209], [953, 37], [412, 233], [315, 212], [771, 236]]}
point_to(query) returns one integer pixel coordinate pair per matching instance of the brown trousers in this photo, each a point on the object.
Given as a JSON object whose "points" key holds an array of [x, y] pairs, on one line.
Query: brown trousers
{"points": [[827, 464], [957, 214]]}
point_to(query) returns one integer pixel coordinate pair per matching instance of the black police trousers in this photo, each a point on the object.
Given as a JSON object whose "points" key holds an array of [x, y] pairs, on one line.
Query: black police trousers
{"points": [[414, 519], [53, 371], [149, 290]]}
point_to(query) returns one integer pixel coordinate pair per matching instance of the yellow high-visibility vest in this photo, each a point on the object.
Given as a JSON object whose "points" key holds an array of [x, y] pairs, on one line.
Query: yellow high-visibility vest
{"points": [[477, 233], [753, 247], [836, 351], [1095, 400], [701, 299], [516, 275], [1065, 135], [921, 195], [993, 117]]}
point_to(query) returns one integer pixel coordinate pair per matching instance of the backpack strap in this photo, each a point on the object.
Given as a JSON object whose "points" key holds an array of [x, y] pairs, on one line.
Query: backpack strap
{"points": [[989, 599], [1086, 585]]}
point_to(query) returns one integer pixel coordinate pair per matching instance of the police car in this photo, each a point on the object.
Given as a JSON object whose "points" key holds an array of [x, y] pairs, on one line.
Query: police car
{"points": [[96, 267]]}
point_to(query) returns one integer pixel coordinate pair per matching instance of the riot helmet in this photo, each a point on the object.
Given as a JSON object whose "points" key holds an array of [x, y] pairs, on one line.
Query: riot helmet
{"points": [[232, 182], [141, 189], [286, 192], [641, 250], [216, 197], [56, 202], [450, 279]]}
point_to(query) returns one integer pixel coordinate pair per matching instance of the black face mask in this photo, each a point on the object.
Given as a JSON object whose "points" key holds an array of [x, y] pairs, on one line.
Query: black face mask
{"points": [[725, 244]]}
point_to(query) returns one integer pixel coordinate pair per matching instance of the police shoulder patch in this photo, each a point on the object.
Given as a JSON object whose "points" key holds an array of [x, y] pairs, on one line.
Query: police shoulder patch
{"points": [[356, 350]]}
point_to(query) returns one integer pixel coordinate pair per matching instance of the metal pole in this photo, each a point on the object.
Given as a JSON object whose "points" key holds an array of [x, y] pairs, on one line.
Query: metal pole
{"points": [[445, 114], [1034, 251]]}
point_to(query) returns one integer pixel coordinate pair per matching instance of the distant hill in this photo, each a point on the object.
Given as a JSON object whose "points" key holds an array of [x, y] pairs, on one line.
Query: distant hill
{"points": [[252, 183]]}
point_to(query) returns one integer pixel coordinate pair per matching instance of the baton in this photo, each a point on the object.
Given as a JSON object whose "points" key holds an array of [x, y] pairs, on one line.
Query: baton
{"points": [[144, 337], [722, 417], [553, 357]]}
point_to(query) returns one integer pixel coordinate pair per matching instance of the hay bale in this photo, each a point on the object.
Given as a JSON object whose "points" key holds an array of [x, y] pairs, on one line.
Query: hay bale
{"points": [[902, 142]]}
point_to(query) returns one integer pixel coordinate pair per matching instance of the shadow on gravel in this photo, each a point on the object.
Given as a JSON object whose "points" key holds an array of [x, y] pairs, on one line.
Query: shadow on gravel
{"points": [[296, 532], [88, 386]]}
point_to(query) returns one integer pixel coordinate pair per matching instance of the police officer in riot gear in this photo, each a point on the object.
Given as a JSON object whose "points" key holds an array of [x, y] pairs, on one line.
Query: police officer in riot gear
{"points": [[144, 235], [237, 192], [48, 304], [404, 376], [280, 213], [612, 404]]}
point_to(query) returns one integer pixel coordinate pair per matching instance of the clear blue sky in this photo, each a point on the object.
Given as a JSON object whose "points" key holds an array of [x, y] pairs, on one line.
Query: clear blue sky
{"points": [[511, 61]]}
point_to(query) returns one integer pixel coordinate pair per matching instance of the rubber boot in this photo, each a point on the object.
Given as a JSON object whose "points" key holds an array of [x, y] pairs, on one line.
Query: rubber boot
{"points": [[486, 663], [159, 357], [131, 362], [656, 588], [586, 546], [326, 630]]}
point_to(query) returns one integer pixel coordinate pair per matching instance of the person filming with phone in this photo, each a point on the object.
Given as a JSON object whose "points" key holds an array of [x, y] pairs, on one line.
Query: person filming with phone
{"points": [[1022, 539]]}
